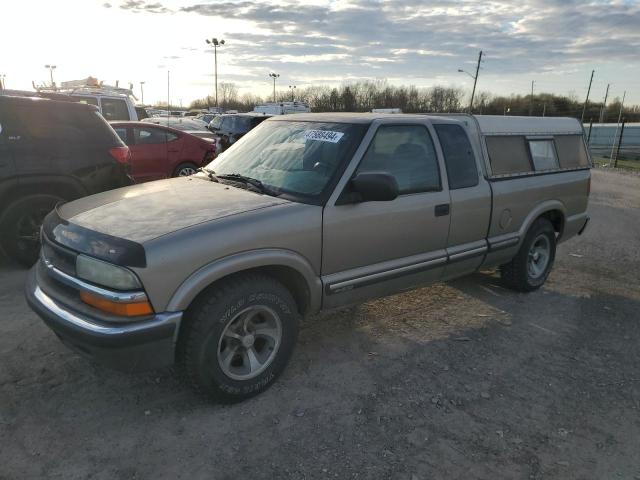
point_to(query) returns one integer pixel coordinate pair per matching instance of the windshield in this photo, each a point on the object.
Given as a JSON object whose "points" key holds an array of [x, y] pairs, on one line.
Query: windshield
{"points": [[301, 159]]}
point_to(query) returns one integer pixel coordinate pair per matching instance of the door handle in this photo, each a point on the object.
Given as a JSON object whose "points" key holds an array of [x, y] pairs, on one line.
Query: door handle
{"points": [[442, 210]]}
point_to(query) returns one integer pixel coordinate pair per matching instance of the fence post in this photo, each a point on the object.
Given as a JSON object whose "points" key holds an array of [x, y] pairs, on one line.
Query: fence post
{"points": [[615, 163]]}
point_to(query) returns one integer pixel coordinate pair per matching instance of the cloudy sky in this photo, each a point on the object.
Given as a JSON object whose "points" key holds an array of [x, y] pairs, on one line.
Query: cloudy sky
{"points": [[554, 42]]}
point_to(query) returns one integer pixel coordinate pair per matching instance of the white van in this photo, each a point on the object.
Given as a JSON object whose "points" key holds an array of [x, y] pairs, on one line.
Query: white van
{"points": [[282, 108], [114, 103]]}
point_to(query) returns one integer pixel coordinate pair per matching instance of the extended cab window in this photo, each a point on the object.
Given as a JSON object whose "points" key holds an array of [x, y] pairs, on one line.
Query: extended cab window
{"points": [[543, 154], [407, 153], [458, 156], [114, 109]]}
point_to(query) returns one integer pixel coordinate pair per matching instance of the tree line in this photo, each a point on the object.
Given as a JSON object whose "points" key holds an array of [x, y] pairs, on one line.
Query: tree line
{"points": [[363, 96]]}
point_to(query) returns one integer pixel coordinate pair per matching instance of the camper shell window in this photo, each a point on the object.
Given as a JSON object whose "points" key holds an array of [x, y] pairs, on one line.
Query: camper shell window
{"points": [[508, 154]]}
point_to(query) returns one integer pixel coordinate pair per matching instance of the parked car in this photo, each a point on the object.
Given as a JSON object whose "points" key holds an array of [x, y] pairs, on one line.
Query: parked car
{"points": [[307, 212], [229, 128], [51, 152], [162, 152]]}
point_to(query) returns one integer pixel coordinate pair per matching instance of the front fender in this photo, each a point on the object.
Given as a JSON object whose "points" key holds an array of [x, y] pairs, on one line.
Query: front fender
{"points": [[218, 269]]}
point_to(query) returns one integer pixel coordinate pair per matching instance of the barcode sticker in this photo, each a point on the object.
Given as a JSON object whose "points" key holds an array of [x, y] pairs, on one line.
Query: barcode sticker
{"points": [[323, 135]]}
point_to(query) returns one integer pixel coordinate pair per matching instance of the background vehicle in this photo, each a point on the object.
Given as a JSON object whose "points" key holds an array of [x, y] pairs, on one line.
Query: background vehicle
{"points": [[231, 127], [282, 108], [161, 152], [307, 212], [51, 152], [114, 103], [190, 125]]}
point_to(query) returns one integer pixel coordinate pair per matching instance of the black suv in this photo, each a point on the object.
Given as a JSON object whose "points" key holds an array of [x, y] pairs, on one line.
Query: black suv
{"points": [[50, 152], [230, 127]]}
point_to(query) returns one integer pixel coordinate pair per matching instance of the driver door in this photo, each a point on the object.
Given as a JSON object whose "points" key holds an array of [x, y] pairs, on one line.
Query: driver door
{"points": [[377, 248]]}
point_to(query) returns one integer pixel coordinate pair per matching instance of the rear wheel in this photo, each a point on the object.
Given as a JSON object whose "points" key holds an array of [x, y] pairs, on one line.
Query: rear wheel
{"points": [[20, 226], [531, 266], [238, 338], [184, 170]]}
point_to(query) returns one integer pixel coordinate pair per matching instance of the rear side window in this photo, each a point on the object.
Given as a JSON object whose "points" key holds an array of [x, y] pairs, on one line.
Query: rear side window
{"points": [[87, 100], [407, 153], [508, 154], [543, 155], [114, 109], [459, 159], [63, 124], [122, 133], [146, 136], [571, 151]]}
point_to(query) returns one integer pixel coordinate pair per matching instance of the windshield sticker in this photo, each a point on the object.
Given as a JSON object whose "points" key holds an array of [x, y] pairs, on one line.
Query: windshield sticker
{"points": [[323, 135]]}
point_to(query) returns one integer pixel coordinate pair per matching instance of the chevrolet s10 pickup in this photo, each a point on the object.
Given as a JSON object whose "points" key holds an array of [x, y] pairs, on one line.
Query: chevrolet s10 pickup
{"points": [[307, 212]]}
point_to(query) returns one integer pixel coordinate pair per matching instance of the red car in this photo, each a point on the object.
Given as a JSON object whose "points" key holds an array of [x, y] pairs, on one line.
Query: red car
{"points": [[161, 152]]}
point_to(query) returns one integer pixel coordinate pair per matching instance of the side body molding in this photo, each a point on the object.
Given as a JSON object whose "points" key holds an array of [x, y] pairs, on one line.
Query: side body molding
{"points": [[269, 257]]}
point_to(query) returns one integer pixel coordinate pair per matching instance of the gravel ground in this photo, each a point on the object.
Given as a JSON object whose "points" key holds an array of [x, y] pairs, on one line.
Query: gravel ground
{"points": [[463, 380]]}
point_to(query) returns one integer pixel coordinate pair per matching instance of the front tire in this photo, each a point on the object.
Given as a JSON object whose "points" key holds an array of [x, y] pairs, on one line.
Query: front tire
{"points": [[531, 266], [20, 226], [238, 337]]}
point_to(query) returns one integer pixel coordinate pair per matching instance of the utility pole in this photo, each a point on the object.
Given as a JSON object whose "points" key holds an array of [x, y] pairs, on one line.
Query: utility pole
{"points": [[274, 76], [613, 146], [544, 109], [531, 103], [475, 81], [168, 98], [587, 99], [216, 43], [2, 81], [142, 91], [604, 104]]}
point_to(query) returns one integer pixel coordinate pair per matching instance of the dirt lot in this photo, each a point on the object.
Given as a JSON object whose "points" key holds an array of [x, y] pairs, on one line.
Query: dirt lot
{"points": [[465, 380]]}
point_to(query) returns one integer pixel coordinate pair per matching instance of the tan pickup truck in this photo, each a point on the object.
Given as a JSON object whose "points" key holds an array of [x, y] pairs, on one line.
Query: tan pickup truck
{"points": [[307, 212]]}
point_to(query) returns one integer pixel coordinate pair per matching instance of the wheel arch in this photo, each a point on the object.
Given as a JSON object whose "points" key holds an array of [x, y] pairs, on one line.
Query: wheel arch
{"points": [[552, 210], [288, 267], [62, 186]]}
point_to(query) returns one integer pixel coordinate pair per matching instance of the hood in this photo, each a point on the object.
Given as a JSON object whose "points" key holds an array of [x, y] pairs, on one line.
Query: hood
{"points": [[146, 211]]}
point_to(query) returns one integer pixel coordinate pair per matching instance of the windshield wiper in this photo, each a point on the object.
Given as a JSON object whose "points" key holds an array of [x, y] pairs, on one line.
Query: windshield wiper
{"points": [[210, 173], [254, 182]]}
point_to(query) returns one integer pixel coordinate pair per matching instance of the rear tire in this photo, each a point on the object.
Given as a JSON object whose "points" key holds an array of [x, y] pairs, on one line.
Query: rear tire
{"points": [[531, 266], [20, 226], [238, 338], [184, 170]]}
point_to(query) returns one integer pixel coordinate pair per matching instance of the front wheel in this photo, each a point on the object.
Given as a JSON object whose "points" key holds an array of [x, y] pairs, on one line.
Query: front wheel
{"points": [[238, 338], [531, 266]]}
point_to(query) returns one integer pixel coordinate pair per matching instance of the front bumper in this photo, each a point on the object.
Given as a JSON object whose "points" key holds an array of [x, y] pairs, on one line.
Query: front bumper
{"points": [[141, 345]]}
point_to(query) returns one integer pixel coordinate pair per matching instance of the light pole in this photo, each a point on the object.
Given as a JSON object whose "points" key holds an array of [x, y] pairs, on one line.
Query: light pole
{"points": [[292, 87], [531, 103], [2, 81], [51, 69], [142, 91], [216, 43], [274, 75], [475, 80]]}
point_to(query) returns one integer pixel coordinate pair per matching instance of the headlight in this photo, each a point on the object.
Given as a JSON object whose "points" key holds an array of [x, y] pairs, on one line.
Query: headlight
{"points": [[106, 274]]}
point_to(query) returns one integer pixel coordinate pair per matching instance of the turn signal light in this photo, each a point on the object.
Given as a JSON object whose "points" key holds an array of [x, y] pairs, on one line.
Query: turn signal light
{"points": [[115, 308]]}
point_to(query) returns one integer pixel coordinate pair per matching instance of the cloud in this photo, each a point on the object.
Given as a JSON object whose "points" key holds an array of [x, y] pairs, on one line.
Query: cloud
{"points": [[106, 5], [137, 6]]}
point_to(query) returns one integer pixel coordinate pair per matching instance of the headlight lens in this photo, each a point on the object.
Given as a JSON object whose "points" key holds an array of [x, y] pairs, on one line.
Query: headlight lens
{"points": [[106, 274]]}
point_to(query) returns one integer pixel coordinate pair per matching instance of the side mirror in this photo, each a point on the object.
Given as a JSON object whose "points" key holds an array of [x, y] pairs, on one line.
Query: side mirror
{"points": [[375, 186]]}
